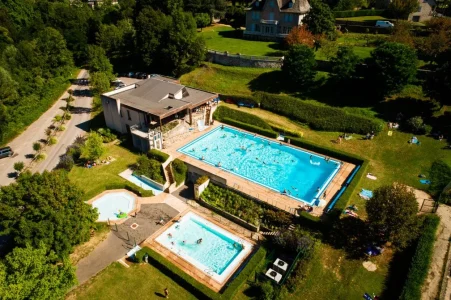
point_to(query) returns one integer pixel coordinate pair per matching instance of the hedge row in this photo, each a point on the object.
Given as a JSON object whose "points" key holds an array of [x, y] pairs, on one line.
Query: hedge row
{"points": [[239, 98], [223, 112], [317, 117], [421, 260], [358, 13], [157, 155], [193, 286], [134, 189], [265, 132], [180, 169]]}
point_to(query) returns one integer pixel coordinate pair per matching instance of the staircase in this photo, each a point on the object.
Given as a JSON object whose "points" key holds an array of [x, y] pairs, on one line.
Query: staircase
{"points": [[168, 172], [273, 233]]}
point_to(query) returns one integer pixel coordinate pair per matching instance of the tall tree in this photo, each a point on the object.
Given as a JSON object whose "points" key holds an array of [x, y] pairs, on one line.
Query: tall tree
{"points": [[400, 9], [32, 273], [299, 65], [392, 215], [438, 83], [202, 20], [98, 61], [344, 64], [93, 147], [391, 67], [45, 208], [320, 19]]}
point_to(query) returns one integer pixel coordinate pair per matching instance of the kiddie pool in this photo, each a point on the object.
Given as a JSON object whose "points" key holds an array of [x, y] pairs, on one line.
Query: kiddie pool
{"points": [[114, 205]]}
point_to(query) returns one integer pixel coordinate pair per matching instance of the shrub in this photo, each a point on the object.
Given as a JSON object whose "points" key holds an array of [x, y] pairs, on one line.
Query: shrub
{"points": [[61, 128], [317, 117], [58, 118], [66, 162], [134, 189], [202, 179], [358, 13], [157, 155], [416, 125], [48, 131], [53, 140], [265, 290], [180, 169], [440, 176], [67, 116], [295, 241], [74, 151], [240, 98], [150, 168], [265, 132], [107, 135], [421, 260], [37, 146], [223, 112], [18, 166], [41, 156]]}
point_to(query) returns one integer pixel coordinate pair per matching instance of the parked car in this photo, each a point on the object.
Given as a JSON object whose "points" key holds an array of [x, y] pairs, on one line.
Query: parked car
{"points": [[6, 152], [384, 24], [142, 76]]}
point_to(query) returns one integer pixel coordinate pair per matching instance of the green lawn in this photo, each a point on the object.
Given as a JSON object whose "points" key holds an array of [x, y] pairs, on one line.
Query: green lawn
{"points": [[225, 38], [92, 181], [363, 18], [136, 282]]}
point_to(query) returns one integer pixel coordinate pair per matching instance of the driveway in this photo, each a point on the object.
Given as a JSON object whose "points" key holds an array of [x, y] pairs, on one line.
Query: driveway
{"points": [[23, 144]]}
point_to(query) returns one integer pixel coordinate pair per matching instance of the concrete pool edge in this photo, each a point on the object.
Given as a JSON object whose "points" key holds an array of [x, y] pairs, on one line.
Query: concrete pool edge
{"points": [[183, 150], [187, 267]]}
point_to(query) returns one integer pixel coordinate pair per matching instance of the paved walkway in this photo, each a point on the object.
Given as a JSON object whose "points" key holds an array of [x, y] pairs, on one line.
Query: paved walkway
{"points": [[23, 144], [110, 250]]}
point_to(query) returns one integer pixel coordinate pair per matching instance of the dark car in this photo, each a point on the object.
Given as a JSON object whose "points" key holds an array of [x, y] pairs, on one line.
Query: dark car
{"points": [[6, 152]]}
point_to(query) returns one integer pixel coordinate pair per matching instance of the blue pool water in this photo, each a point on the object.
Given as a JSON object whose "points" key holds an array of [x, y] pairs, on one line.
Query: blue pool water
{"points": [[302, 174], [218, 254], [144, 184], [109, 205]]}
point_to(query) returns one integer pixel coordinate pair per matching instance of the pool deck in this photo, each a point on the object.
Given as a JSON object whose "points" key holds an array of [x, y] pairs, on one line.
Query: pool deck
{"points": [[185, 266], [253, 189]]}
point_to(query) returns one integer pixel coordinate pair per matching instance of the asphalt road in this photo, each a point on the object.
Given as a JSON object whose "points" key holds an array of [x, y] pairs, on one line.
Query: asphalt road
{"points": [[23, 144]]}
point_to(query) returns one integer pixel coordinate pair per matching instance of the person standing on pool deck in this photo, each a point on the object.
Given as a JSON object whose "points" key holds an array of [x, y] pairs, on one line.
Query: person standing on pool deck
{"points": [[166, 293]]}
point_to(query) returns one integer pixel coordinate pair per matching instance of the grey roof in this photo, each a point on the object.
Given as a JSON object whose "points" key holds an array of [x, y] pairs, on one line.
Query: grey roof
{"points": [[156, 96], [299, 6]]}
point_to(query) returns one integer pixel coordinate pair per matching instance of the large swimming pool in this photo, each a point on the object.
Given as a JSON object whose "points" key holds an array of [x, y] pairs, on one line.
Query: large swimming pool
{"points": [[218, 254], [304, 176]]}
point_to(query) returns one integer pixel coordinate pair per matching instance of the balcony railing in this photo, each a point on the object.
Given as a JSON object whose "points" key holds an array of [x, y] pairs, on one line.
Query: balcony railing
{"points": [[269, 22]]}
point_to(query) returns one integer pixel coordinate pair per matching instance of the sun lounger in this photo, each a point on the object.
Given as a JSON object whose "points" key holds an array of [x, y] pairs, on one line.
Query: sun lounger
{"points": [[366, 194], [425, 181], [201, 125], [371, 176]]}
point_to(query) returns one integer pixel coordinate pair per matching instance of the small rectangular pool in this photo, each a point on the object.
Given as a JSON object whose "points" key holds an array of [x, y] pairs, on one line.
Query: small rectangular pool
{"points": [[144, 184], [218, 254], [299, 174]]}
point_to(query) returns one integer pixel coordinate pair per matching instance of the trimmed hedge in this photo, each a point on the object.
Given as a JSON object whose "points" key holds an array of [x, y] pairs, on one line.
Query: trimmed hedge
{"points": [[317, 117], [179, 169], [157, 155], [358, 13], [421, 260], [192, 285], [265, 132], [134, 189], [223, 112], [240, 98]]}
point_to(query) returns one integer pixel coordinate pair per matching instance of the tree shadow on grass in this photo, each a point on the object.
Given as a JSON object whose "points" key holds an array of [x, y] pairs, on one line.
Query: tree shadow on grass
{"points": [[231, 34], [160, 295], [408, 107], [270, 82]]}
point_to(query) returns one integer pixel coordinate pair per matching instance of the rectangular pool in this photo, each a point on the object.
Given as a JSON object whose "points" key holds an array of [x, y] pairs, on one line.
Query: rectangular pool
{"points": [[302, 175], [144, 184], [218, 254]]}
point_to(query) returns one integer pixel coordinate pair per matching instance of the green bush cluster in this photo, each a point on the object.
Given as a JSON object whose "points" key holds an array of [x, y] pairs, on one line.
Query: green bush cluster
{"points": [[265, 132], [223, 112], [440, 176], [202, 179], [150, 168], [131, 188], [193, 286], [244, 208], [421, 259], [157, 155], [240, 98], [180, 170], [317, 117], [358, 13], [107, 135]]}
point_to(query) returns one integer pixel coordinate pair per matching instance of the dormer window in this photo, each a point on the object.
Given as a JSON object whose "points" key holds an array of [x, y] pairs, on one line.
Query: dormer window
{"points": [[257, 3], [290, 4], [168, 107]]}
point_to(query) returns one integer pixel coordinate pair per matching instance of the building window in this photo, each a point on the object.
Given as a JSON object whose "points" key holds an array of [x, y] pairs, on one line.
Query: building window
{"points": [[271, 16], [257, 27], [288, 18], [290, 5], [128, 115], [267, 29], [120, 112], [419, 8], [255, 15], [272, 3], [272, 29]]}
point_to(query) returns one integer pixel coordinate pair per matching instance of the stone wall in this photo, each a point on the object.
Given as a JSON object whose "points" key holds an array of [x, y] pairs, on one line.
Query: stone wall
{"points": [[237, 60]]}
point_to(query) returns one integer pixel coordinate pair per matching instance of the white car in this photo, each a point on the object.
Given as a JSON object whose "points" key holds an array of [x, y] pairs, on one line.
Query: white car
{"points": [[384, 24]]}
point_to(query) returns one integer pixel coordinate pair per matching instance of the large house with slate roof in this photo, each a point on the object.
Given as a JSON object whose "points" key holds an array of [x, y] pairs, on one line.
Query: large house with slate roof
{"points": [[274, 19]]}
